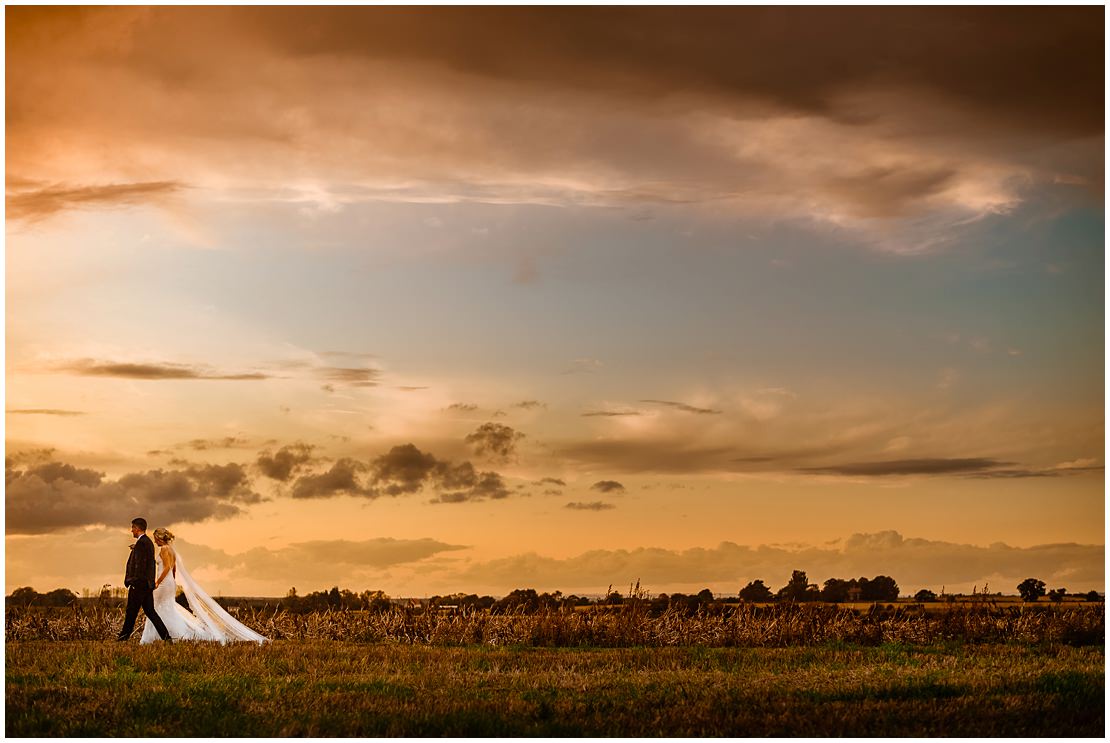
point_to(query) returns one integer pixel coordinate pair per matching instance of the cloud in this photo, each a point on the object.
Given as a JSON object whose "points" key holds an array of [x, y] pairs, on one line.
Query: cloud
{"points": [[150, 371], [473, 486], [968, 110], [45, 411], [53, 496], [593, 506], [610, 413], [971, 467], [340, 479], [288, 460], [914, 563], [607, 486], [552, 481], [908, 467], [406, 469], [529, 404], [349, 376], [462, 407], [228, 442], [645, 455], [32, 202], [96, 556], [494, 440], [684, 407]]}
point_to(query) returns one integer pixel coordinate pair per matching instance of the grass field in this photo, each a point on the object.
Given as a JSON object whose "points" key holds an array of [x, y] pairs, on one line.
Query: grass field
{"points": [[337, 688]]}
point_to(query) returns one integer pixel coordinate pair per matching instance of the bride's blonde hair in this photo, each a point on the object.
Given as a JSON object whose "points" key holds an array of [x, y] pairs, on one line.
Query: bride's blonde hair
{"points": [[163, 535]]}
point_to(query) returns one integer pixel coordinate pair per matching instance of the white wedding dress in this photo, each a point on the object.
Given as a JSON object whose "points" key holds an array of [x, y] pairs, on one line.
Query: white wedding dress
{"points": [[206, 621]]}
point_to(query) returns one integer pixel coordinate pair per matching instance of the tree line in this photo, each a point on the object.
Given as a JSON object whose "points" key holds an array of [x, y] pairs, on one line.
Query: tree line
{"points": [[797, 589]]}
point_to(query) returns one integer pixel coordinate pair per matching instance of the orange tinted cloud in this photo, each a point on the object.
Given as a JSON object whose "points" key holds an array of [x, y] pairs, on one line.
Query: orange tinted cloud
{"points": [[890, 116]]}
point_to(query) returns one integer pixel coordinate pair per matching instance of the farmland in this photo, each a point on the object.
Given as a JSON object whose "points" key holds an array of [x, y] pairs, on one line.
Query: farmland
{"points": [[787, 670]]}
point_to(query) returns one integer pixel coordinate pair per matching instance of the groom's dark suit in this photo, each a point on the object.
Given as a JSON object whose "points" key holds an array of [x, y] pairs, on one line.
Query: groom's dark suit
{"points": [[139, 579]]}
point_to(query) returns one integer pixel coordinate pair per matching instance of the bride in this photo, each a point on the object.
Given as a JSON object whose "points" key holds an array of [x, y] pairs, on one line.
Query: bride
{"points": [[206, 621]]}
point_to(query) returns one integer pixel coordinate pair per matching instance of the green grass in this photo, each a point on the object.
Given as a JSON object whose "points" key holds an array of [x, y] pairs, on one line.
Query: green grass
{"points": [[329, 688]]}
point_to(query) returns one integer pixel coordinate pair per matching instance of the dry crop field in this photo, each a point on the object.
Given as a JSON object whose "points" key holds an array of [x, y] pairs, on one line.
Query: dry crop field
{"points": [[786, 670]]}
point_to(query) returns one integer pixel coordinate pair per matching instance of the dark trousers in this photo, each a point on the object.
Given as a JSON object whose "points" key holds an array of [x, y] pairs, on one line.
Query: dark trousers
{"points": [[141, 597]]}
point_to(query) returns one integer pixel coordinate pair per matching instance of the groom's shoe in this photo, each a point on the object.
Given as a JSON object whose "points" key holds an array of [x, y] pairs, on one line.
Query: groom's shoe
{"points": [[122, 639]]}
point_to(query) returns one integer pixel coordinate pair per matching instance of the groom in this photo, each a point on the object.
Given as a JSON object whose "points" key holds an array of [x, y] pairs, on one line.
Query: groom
{"points": [[139, 580]]}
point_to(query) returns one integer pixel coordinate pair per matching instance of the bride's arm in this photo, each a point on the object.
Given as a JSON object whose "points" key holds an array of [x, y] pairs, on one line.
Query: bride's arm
{"points": [[167, 565]]}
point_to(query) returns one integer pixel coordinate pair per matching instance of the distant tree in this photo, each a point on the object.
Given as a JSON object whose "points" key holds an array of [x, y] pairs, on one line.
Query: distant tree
{"points": [[59, 597], [925, 595], [614, 598], [24, 596], [1031, 589], [798, 588], [334, 597], [1093, 596], [881, 588], [756, 591], [705, 596], [835, 590], [1057, 594], [375, 600], [519, 599]]}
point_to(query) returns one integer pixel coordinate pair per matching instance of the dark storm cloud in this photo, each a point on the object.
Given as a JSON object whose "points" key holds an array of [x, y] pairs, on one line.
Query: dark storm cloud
{"points": [[31, 202], [52, 496], [155, 371], [494, 440], [1028, 67], [684, 407], [592, 506], [287, 460], [607, 486], [44, 411], [1033, 66], [856, 116]]}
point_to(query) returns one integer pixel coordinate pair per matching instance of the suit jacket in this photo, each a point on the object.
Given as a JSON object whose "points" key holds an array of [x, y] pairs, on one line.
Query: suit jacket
{"points": [[140, 565]]}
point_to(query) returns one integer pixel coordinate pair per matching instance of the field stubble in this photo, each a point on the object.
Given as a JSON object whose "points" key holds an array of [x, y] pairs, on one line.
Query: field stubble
{"points": [[626, 626], [324, 688], [784, 670]]}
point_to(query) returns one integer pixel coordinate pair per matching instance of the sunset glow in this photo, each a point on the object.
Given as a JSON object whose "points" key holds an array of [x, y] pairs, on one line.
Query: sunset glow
{"points": [[472, 299]]}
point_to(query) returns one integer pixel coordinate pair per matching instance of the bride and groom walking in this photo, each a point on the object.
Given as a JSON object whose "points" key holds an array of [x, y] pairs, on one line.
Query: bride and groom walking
{"points": [[152, 578]]}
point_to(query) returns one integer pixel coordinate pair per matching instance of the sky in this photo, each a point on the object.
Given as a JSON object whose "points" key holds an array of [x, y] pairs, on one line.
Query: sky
{"points": [[435, 300]]}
